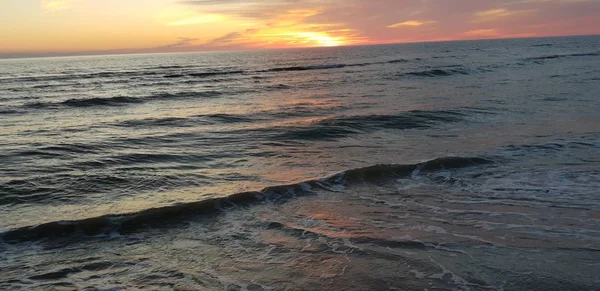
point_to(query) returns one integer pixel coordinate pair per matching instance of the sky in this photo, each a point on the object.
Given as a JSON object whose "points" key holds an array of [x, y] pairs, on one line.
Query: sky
{"points": [[46, 27]]}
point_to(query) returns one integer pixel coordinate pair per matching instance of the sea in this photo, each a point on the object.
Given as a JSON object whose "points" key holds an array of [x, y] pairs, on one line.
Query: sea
{"points": [[468, 165]]}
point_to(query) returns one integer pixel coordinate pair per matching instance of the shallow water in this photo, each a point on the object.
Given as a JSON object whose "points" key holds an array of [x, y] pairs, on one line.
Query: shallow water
{"points": [[145, 171]]}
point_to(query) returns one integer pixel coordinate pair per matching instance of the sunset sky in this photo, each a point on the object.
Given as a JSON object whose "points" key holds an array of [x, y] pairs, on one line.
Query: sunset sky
{"points": [[74, 26]]}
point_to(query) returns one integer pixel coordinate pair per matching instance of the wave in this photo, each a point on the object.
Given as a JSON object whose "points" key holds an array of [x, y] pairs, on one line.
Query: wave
{"points": [[154, 122], [331, 66], [87, 102], [118, 100], [8, 111], [109, 74], [397, 61], [183, 95], [154, 71], [437, 73], [70, 76], [204, 74], [209, 74], [207, 119], [333, 127], [111, 101], [76, 148], [174, 72], [228, 118], [306, 68], [130, 222], [74, 187], [552, 147], [277, 87], [172, 67], [346, 125], [550, 57]]}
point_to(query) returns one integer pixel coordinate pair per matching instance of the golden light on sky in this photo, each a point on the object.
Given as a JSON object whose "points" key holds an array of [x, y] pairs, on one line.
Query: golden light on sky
{"points": [[410, 23], [54, 5], [116, 26], [194, 19], [304, 38]]}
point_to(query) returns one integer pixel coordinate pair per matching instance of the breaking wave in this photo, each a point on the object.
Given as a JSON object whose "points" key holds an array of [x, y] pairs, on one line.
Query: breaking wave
{"points": [[131, 222]]}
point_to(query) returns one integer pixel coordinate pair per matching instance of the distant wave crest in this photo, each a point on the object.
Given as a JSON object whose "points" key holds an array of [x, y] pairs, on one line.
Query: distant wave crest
{"points": [[550, 57], [332, 66], [346, 125], [118, 100], [438, 72], [204, 74]]}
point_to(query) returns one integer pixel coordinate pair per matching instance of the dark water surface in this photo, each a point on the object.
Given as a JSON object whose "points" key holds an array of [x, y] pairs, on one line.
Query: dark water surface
{"points": [[437, 166]]}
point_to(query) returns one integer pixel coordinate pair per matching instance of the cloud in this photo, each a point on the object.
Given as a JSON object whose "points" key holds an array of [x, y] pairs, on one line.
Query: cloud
{"points": [[255, 9], [495, 14], [247, 24], [410, 23], [364, 21], [276, 37], [55, 5], [226, 39], [182, 42], [280, 23], [196, 19]]}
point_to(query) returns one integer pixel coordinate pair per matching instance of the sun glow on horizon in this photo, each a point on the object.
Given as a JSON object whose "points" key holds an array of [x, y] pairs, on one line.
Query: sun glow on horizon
{"points": [[132, 26], [321, 39], [303, 38]]}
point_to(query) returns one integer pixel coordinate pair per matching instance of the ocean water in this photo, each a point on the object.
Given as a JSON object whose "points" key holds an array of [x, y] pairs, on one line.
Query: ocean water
{"points": [[468, 165]]}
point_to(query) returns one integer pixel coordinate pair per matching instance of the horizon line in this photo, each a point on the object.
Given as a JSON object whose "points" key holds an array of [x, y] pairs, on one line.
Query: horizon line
{"points": [[125, 52]]}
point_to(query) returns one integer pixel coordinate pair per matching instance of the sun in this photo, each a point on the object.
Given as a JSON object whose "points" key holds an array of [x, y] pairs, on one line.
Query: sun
{"points": [[301, 39], [320, 39]]}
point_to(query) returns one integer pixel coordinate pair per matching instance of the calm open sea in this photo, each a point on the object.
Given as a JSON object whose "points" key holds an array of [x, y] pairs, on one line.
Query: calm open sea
{"points": [[468, 165]]}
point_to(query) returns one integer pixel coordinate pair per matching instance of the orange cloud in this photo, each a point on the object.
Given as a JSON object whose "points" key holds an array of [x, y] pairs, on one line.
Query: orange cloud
{"points": [[276, 24], [286, 36], [189, 25], [196, 19], [410, 23], [495, 14], [291, 27]]}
